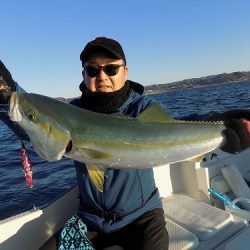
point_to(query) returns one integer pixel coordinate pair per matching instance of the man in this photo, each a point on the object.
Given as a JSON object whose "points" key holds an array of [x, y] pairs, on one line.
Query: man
{"points": [[125, 209]]}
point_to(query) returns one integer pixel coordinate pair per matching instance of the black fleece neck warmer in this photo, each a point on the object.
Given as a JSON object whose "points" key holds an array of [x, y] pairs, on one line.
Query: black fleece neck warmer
{"points": [[103, 102]]}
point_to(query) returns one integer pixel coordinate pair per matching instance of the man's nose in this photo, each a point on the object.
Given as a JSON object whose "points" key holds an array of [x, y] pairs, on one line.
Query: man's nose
{"points": [[102, 74]]}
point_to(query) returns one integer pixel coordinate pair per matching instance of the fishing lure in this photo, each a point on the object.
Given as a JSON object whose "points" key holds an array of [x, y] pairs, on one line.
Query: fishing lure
{"points": [[27, 166]]}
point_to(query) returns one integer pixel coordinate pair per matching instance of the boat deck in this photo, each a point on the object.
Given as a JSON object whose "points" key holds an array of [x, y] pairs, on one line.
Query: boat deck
{"points": [[192, 224]]}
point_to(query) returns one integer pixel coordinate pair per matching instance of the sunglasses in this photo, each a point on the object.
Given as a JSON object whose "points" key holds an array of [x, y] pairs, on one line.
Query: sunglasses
{"points": [[109, 69]]}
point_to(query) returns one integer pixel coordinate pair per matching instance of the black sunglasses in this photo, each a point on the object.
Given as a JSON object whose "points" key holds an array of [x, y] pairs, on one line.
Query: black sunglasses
{"points": [[109, 69]]}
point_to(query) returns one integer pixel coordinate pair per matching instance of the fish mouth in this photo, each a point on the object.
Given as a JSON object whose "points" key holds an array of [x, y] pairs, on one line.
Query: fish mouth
{"points": [[69, 147], [14, 111]]}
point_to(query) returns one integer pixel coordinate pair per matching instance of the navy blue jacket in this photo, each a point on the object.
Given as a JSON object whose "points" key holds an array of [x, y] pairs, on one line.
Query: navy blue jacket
{"points": [[128, 193]]}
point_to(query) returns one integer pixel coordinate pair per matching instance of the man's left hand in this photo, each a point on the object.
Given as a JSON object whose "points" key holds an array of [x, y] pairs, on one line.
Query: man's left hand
{"points": [[246, 124], [237, 133]]}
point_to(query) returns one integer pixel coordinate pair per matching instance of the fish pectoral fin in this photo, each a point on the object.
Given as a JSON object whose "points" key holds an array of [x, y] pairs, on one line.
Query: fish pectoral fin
{"points": [[94, 154], [96, 174], [155, 113]]}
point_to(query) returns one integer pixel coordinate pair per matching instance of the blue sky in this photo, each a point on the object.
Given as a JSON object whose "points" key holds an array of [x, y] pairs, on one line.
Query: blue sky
{"points": [[164, 41]]}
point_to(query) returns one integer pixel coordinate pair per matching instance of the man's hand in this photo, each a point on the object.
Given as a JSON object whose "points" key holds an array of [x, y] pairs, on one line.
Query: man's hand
{"points": [[7, 84], [237, 133], [246, 124]]}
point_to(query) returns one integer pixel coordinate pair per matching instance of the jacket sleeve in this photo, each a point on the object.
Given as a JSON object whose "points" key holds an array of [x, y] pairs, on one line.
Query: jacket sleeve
{"points": [[236, 133], [217, 116], [201, 117]]}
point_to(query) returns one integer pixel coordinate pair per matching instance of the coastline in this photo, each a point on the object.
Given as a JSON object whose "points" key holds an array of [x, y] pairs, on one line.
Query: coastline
{"points": [[164, 89]]}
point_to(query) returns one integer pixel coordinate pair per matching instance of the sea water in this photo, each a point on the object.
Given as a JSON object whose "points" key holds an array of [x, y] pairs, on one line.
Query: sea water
{"points": [[51, 180]]}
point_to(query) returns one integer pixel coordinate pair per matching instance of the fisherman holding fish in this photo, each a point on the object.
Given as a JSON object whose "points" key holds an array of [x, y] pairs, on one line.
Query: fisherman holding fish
{"points": [[119, 206]]}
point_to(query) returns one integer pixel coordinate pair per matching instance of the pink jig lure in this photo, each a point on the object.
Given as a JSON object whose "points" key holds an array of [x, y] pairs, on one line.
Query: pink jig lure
{"points": [[27, 167]]}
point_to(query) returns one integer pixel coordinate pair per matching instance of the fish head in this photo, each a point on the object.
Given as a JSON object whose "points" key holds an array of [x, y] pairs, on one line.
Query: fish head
{"points": [[38, 116]]}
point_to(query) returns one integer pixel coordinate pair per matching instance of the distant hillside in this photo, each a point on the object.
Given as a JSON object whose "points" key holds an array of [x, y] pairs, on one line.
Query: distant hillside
{"points": [[200, 82]]}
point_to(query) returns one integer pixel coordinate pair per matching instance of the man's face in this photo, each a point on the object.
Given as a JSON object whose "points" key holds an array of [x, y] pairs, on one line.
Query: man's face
{"points": [[102, 82]]}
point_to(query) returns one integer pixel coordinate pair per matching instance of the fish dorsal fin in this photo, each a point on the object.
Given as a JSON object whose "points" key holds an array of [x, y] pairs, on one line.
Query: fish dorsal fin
{"points": [[96, 174], [155, 113]]}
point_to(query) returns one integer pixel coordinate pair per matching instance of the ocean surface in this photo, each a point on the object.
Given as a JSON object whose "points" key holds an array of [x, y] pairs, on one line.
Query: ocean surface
{"points": [[51, 180]]}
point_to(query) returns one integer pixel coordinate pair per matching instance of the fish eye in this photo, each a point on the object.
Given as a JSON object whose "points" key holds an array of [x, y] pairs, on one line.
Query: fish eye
{"points": [[31, 116]]}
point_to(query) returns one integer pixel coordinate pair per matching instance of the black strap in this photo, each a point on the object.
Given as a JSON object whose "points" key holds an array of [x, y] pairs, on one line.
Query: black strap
{"points": [[114, 215]]}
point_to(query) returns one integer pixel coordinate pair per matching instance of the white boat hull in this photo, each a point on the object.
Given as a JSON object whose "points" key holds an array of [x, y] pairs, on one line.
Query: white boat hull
{"points": [[30, 230]]}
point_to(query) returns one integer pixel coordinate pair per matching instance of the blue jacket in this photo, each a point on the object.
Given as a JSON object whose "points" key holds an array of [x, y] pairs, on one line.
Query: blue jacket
{"points": [[128, 193]]}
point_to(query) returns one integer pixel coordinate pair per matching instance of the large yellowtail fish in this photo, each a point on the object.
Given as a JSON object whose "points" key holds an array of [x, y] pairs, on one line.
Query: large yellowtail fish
{"points": [[58, 129]]}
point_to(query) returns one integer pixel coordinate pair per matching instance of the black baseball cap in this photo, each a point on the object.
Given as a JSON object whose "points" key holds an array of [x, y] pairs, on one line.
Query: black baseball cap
{"points": [[108, 44]]}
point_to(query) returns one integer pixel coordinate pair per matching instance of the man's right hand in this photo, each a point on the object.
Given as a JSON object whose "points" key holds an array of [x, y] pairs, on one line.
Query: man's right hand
{"points": [[7, 84]]}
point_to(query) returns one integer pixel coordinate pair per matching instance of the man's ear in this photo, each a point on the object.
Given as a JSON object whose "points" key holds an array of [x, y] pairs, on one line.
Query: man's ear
{"points": [[83, 74], [126, 73], [81, 86]]}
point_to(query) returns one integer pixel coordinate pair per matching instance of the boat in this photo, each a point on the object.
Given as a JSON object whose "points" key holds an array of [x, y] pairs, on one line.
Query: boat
{"points": [[195, 218]]}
